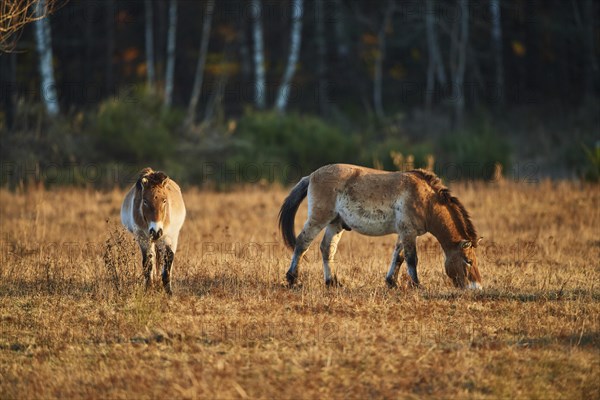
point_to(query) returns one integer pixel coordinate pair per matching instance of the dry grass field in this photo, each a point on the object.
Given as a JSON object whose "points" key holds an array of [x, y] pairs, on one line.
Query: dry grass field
{"points": [[76, 323]]}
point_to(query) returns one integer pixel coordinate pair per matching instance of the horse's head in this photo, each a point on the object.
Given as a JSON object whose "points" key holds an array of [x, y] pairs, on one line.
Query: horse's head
{"points": [[152, 188], [461, 265]]}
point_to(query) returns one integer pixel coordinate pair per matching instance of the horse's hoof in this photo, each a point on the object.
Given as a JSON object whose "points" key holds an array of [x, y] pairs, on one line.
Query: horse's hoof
{"points": [[391, 283], [291, 279], [414, 285], [333, 282]]}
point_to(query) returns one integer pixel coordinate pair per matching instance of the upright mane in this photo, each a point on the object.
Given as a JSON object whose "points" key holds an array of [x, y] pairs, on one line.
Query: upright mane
{"points": [[153, 178], [459, 214]]}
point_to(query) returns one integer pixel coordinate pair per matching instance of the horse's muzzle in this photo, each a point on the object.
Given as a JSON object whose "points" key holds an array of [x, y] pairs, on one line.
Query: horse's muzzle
{"points": [[156, 234]]}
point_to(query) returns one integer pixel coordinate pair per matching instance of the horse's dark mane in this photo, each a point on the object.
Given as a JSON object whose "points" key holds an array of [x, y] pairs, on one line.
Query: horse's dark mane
{"points": [[155, 178], [459, 213]]}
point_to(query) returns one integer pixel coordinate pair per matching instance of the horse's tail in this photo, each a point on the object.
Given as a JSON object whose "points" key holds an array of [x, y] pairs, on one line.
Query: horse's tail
{"points": [[288, 210]]}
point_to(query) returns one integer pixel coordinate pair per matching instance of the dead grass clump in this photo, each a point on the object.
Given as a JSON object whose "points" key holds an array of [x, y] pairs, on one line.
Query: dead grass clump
{"points": [[122, 274]]}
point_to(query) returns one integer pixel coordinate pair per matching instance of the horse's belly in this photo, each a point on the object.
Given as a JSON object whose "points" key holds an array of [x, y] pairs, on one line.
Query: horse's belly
{"points": [[371, 222]]}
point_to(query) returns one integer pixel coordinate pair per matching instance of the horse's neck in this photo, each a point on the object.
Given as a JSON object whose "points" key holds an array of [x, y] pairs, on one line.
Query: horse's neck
{"points": [[441, 225]]}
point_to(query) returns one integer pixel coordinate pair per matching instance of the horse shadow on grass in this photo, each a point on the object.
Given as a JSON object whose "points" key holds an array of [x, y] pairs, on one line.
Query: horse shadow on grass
{"points": [[522, 297]]}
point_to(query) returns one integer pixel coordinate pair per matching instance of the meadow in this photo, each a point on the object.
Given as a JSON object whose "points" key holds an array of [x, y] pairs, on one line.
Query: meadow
{"points": [[75, 321]]}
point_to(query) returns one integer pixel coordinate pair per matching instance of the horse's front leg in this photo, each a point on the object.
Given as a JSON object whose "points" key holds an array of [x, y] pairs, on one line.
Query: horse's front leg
{"points": [[148, 261], [397, 259], [410, 254], [169, 256]]}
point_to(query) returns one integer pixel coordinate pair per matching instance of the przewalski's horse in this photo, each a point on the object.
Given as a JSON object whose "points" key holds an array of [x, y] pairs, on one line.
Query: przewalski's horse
{"points": [[153, 210], [375, 203]]}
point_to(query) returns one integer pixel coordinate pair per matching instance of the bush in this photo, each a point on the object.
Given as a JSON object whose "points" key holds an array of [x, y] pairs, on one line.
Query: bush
{"points": [[381, 153], [590, 171], [135, 129], [472, 154], [276, 147]]}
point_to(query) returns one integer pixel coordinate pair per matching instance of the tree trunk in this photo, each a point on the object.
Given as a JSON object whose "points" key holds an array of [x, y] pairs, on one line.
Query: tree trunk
{"points": [[283, 93], [88, 67], [196, 89], [260, 93], [110, 44], [340, 30], [43, 37], [458, 93], [244, 48], [8, 83], [150, 74], [591, 64], [322, 58], [435, 66], [378, 73], [171, 39], [497, 49]]}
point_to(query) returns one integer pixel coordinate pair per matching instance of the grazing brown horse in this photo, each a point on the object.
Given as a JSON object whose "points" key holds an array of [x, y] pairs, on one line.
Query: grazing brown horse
{"points": [[153, 210], [375, 203]]}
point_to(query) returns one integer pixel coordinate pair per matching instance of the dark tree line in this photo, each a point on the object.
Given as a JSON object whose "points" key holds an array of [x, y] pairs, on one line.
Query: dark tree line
{"points": [[317, 56]]}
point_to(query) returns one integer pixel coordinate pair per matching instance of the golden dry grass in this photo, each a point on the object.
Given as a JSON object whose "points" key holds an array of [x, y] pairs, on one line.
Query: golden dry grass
{"points": [[74, 321]]}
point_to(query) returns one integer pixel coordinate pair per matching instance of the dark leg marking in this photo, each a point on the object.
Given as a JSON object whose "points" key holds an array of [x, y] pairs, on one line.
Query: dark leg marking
{"points": [[411, 263], [166, 274], [147, 261], [392, 281]]}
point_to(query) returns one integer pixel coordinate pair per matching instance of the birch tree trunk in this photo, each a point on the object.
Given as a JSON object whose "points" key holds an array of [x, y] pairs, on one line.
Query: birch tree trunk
{"points": [[43, 38], [199, 75], [378, 70], [497, 48], [322, 57], [435, 66], [170, 70], [458, 93], [283, 92], [259, 58], [150, 74]]}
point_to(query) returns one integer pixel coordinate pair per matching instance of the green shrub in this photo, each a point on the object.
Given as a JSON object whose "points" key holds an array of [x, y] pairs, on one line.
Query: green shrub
{"points": [[275, 147], [590, 171], [472, 154], [135, 129], [381, 152]]}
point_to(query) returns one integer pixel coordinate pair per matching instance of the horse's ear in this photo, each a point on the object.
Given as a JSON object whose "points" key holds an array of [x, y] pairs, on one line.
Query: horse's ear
{"points": [[465, 244], [141, 183], [143, 179]]}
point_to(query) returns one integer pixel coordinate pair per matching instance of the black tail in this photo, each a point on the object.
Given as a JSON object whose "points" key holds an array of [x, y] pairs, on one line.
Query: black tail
{"points": [[288, 210]]}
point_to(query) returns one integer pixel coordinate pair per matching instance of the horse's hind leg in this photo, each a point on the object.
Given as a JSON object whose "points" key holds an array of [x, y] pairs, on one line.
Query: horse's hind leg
{"points": [[333, 233], [309, 232], [397, 259]]}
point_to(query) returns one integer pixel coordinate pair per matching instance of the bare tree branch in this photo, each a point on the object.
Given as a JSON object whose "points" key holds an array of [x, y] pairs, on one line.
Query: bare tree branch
{"points": [[15, 14]]}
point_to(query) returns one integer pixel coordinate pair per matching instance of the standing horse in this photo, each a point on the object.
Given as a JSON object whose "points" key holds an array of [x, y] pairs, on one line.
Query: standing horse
{"points": [[375, 203], [153, 210]]}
